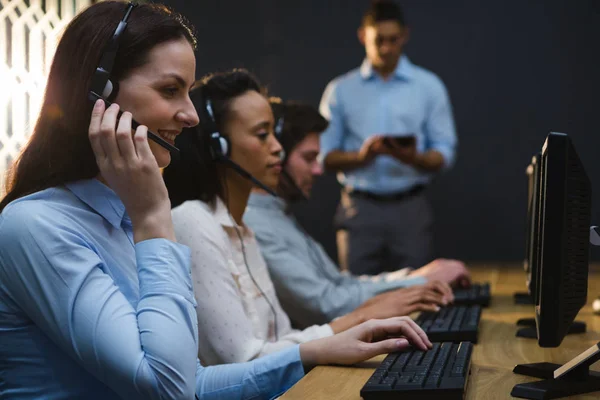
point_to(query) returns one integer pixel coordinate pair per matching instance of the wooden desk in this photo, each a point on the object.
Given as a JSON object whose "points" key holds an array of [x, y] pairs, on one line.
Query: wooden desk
{"points": [[494, 357]]}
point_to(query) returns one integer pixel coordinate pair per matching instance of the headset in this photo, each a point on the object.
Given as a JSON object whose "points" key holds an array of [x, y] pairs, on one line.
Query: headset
{"points": [[103, 88], [220, 147]]}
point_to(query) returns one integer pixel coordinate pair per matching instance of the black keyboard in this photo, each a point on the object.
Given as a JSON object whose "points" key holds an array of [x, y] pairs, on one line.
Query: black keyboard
{"points": [[478, 294], [451, 324], [440, 373]]}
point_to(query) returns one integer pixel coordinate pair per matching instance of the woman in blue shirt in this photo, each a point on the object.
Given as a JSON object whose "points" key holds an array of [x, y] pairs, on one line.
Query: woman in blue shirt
{"points": [[96, 300]]}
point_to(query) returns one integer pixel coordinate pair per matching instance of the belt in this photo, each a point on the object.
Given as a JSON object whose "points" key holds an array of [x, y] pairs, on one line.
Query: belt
{"points": [[415, 190]]}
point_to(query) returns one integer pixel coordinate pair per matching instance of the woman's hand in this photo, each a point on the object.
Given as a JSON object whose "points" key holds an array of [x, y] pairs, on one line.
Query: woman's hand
{"points": [[128, 166], [453, 272], [364, 341]]}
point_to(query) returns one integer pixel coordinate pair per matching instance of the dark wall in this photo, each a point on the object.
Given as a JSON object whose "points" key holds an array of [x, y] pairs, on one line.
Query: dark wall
{"points": [[515, 70]]}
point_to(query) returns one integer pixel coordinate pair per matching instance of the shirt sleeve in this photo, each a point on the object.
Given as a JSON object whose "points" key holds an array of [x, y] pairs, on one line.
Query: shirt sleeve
{"points": [[225, 331], [142, 351], [332, 138], [265, 378], [439, 126], [319, 293]]}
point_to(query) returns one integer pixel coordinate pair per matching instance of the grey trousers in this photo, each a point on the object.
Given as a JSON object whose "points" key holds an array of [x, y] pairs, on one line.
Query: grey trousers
{"points": [[384, 235]]}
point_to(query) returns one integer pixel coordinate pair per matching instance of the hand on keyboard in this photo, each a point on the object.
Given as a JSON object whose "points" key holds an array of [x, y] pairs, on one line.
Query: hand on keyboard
{"points": [[453, 272], [405, 301], [365, 341]]}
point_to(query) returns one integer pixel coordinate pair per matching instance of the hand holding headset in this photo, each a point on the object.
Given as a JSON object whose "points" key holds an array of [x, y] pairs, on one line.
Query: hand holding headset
{"points": [[103, 88]]}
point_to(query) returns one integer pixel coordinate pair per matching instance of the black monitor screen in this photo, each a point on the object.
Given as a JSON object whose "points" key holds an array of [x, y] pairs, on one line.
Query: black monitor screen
{"points": [[565, 212]]}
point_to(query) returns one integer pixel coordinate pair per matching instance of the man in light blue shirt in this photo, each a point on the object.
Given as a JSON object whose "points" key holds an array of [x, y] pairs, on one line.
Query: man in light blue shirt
{"points": [[384, 218]]}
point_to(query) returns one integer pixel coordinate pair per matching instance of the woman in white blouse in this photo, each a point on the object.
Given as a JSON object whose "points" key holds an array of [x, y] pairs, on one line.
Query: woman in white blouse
{"points": [[240, 317]]}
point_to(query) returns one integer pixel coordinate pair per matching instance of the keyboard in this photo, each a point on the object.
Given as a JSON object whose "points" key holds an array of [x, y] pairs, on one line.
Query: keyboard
{"points": [[478, 294], [440, 373], [451, 324]]}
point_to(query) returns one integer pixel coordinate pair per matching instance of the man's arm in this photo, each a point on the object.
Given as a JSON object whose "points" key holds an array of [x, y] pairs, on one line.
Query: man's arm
{"points": [[440, 135], [318, 291], [346, 160], [332, 138], [430, 161], [440, 132]]}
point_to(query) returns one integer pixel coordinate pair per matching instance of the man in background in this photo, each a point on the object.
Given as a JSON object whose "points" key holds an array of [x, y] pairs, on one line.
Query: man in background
{"points": [[390, 131]]}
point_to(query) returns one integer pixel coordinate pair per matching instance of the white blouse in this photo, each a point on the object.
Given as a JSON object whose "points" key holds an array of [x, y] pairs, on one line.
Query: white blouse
{"points": [[235, 321]]}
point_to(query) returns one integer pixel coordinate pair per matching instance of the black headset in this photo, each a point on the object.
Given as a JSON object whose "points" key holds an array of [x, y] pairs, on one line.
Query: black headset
{"points": [[220, 146], [104, 89]]}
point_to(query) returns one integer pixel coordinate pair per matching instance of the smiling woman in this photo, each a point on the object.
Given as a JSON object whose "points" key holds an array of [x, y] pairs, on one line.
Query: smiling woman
{"points": [[157, 94], [96, 296]]}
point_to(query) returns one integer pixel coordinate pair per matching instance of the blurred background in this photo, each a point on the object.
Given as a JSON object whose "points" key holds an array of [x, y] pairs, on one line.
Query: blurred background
{"points": [[515, 70]]}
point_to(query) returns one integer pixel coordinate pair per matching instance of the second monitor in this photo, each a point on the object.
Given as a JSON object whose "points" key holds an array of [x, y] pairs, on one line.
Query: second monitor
{"points": [[562, 249]]}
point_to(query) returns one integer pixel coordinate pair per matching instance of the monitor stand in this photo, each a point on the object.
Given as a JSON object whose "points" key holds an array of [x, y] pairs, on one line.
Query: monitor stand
{"points": [[530, 332], [522, 298], [559, 381]]}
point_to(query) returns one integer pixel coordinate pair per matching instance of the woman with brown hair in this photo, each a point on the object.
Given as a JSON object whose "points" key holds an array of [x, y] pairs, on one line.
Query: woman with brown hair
{"points": [[96, 298]]}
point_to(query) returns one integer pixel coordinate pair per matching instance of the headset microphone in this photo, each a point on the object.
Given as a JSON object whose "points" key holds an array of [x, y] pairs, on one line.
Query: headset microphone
{"points": [[245, 174]]}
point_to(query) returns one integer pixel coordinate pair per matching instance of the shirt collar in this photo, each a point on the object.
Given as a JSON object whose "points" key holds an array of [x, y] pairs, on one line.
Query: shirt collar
{"points": [[222, 216], [403, 69], [101, 199], [267, 201]]}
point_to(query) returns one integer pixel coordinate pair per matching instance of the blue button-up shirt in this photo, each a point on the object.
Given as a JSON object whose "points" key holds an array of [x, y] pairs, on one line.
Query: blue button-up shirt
{"points": [[360, 104], [310, 287], [86, 313]]}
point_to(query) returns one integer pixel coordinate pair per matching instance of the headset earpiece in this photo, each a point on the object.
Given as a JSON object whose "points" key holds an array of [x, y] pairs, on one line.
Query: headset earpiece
{"points": [[219, 145], [110, 90]]}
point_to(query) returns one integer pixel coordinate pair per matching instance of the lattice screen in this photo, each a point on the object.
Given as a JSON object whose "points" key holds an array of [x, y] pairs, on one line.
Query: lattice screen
{"points": [[28, 34]]}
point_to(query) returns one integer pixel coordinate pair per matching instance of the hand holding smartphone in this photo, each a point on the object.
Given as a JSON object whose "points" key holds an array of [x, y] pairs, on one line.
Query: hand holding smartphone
{"points": [[402, 147], [400, 141]]}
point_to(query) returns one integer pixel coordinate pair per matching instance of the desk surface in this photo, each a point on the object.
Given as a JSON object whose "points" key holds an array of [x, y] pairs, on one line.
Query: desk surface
{"points": [[495, 355]]}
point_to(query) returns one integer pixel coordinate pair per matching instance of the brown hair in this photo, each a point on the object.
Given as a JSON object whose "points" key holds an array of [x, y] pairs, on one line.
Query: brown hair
{"points": [[59, 150]]}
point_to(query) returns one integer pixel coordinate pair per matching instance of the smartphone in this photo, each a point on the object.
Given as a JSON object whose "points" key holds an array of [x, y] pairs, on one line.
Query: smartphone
{"points": [[401, 141]]}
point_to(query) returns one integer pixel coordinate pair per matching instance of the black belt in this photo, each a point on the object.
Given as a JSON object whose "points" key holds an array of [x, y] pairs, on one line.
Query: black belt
{"points": [[415, 190]]}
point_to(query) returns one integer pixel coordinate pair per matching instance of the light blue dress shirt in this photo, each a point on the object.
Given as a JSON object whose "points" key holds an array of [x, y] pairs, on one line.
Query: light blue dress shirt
{"points": [[360, 104], [310, 287], [85, 313]]}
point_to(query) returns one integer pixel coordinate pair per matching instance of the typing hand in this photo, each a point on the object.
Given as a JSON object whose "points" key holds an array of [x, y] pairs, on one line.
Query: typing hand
{"points": [[365, 341], [406, 301], [452, 272]]}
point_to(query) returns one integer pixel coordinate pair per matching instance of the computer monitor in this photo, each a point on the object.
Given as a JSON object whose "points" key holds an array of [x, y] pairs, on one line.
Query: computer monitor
{"points": [[565, 203], [562, 235], [531, 254]]}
